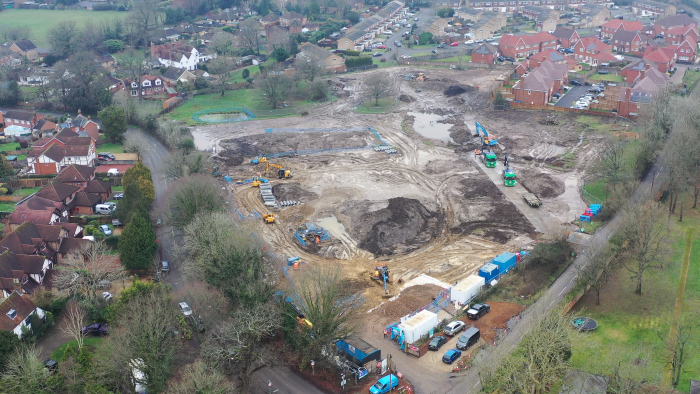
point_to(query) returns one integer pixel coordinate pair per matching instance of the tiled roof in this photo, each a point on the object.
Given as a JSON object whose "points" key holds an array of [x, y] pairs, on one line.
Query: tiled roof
{"points": [[37, 203], [29, 237], [619, 24], [19, 115], [44, 124], [25, 45], [22, 305], [57, 152], [173, 73], [57, 191], [657, 76], [681, 30], [626, 36], [70, 244], [542, 78], [676, 20], [659, 55], [83, 199], [66, 132], [315, 50], [97, 186], [41, 143], [563, 33], [486, 49], [638, 65], [594, 44], [291, 15], [76, 173], [30, 216], [270, 18], [72, 230]]}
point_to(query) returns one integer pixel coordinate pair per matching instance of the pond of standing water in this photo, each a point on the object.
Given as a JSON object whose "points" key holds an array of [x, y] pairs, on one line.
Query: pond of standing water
{"points": [[333, 226], [427, 125]]}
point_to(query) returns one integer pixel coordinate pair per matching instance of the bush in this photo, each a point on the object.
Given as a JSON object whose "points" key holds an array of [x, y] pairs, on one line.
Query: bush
{"points": [[104, 7], [352, 53], [246, 73], [112, 241], [358, 62], [319, 91], [382, 60], [99, 235]]}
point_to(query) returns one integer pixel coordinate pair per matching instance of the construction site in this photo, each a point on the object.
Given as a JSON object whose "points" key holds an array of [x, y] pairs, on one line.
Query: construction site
{"points": [[412, 189]]}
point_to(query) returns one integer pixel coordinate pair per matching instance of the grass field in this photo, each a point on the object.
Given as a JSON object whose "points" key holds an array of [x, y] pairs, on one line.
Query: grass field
{"points": [[7, 207], [607, 77], [465, 59], [691, 78], [27, 191], [369, 107], [9, 147], [41, 21], [60, 353]]}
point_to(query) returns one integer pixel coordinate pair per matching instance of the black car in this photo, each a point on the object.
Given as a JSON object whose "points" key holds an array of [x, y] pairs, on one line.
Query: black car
{"points": [[478, 310], [51, 365], [509, 59], [95, 329], [437, 342], [596, 91], [557, 95], [105, 156], [574, 82]]}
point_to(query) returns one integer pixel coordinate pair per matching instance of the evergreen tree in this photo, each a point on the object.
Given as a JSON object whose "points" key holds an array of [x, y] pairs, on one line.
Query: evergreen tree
{"points": [[137, 244], [114, 122]]}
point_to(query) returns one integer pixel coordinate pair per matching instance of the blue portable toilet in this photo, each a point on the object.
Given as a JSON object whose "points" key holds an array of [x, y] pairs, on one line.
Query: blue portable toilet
{"points": [[584, 218], [489, 272], [505, 261]]}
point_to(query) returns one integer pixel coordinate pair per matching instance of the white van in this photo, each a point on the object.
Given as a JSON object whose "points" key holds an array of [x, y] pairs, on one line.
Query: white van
{"points": [[103, 209]]}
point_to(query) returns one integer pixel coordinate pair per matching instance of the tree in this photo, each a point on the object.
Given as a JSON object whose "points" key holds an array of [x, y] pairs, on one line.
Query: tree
{"points": [[249, 35], [135, 143], [353, 17], [200, 377], [596, 273], [628, 371], [325, 304], [611, 165], [280, 54], [114, 46], [177, 166], [91, 38], [245, 74], [220, 252], [7, 172], [678, 345], [25, 372], [643, 241], [113, 122], [193, 195], [82, 270], [498, 99], [241, 339], [11, 95], [310, 65], [446, 12], [8, 343], [85, 85], [132, 61], [274, 89], [137, 244], [378, 86], [186, 146], [64, 39], [220, 68], [223, 44], [425, 38], [145, 17], [74, 320]]}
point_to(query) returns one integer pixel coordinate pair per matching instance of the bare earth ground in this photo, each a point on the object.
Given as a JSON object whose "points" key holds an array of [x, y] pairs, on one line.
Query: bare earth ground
{"points": [[427, 209]]}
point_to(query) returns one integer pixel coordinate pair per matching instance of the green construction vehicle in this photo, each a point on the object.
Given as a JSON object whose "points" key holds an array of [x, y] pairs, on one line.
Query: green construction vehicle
{"points": [[489, 158], [509, 177]]}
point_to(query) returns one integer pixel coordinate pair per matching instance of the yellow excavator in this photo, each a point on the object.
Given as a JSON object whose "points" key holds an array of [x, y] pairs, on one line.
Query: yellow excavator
{"points": [[281, 171], [269, 218]]}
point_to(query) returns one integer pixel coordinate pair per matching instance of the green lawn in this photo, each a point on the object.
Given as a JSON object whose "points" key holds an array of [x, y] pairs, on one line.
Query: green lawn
{"points": [[237, 76], [465, 59], [607, 77], [9, 147], [41, 21], [7, 207], [371, 108], [235, 98], [111, 148], [27, 191], [117, 188], [60, 353], [691, 78]]}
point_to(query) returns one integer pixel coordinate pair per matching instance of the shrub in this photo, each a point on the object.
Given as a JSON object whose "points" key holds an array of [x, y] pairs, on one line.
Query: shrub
{"points": [[112, 241], [246, 73], [358, 62], [383, 60], [352, 53]]}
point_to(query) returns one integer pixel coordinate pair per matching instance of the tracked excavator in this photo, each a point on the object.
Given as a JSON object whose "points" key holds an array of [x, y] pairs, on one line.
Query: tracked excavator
{"points": [[281, 171], [381, 274]]}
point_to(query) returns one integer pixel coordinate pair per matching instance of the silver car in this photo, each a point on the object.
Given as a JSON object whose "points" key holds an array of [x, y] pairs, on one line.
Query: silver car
{"points": [[453, 328], [186, 310]]}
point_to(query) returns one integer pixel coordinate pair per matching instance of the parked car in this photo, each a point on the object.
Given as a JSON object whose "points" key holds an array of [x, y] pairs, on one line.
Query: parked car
{"points": [[118, 196], [442, 45], [164, 266], [556, 95], [185, 309], [105, 229], [436, 342], [405, 56], [107, 296], [451, 355], [469, 42], [574, 82], [105, 156], [435, 51], [478, 310], [453, 328], [501, 59], [415, 19], [603, 72], [112, 172], [51, 365], [376, 54], [385, 384], [381, 46], [479, 41], [398, 44], [471, 336], [95, 329], [454, 44], [509, 59], [568, 50]]}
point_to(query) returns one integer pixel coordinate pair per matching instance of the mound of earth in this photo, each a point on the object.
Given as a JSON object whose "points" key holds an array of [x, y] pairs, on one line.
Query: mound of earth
{"points": [[293, 191], [270, 143], [406, 98], [461, 134], [410, 299], [455, 90], [543, 185], [403, 226]]}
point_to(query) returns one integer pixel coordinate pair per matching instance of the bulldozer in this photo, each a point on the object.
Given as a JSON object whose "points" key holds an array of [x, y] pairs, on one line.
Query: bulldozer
{"points": [[381, 274], [281, 171], [269, 218]]}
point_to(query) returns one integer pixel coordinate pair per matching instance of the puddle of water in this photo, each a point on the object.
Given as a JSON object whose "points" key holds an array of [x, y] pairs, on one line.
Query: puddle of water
{"points": [[427, 125], [225, 117], [203, 142], [335, 228]]}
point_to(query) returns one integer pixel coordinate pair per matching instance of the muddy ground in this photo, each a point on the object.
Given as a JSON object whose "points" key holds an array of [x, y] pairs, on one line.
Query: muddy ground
{"points": [[410, 300], [427, 209]]}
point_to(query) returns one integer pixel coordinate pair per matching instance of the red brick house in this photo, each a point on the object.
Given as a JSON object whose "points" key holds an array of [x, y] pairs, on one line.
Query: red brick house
{"points": [[663, 58], [147, 85], [609, 28], [554, 57], [84, 178], [567, 37], [632, 99], [677, 35], [288, 17], [686, 51], [537, 87], [485, 53], [523, 46], [633, 70], [624, 41], [17, 117], [663, 26], [593, 51], [82, 126], [50, 155]]}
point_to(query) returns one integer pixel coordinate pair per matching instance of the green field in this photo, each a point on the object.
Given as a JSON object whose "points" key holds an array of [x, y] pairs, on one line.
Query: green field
{"points": [[27, 191], [369, 107], [691, 78], [60, 353], [41, 21], [607, 77], [465, 59]]}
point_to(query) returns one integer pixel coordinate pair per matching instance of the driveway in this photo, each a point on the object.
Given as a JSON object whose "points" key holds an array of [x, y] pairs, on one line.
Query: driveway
{"points": [[677, 77], [571, 96]]}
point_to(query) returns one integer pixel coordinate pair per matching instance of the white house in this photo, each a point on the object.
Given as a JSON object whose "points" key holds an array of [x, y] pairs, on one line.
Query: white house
{"points": [[178, 55], [15, 313]]}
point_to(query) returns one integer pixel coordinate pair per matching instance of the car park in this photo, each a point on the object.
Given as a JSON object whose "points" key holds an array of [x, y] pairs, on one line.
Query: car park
{"points": [[451, 355], [478, 310], [453, 328], [470, 337], [385, 384], [436, 342], [105, 229], [185, 309]]}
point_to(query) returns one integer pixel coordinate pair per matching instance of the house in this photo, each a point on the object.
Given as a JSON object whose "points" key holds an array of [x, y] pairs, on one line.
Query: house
{"points": [[686, 51], [546, 19], [295, 27], [25, 48], [632, 99], [522, 46], [361, 34], [485, 53], [624, 41], [487, 25], [663, 58], [662, 26], [632, 71], [677, 35], [178, 54], [468, 14], [106, 61], [537, 87], [331, 62], [23, 133], [59, 192], [608, 29], [21, 118], [593, 51], [16, 311], [269, 20], [594, 15], [437, 27], [34, 239], [36, 210], [277, 37], [652, 8], [83, 126], [147, 85], [84, 178], [44, 127], [554, 57], [84, 203], [567, 37], [288, 17], [173, 75], [56, 156]]}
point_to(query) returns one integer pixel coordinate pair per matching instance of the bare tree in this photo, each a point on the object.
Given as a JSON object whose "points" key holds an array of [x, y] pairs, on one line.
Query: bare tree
{"points": [[378, 86], [221, 68], [200, 377], [250, 36], [628, 370], [274, 89], [597, 272], [678, 344], [644, 241], [143, 18], [242, 341], [25, 372], [135, 143], [64, 38], [73, 322], [91, 37], [82, 270], [191, 196], [310, 65], [223, 44], [611, 166]]}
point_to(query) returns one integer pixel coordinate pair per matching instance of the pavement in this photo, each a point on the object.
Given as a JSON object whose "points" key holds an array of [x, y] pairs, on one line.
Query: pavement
{"points": [[571, 96], [677, 77]]}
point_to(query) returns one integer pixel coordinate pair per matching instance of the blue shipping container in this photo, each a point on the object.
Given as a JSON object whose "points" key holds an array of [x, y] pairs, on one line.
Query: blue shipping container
{"points": [[505, 262], [360, 351], [489, 272]]}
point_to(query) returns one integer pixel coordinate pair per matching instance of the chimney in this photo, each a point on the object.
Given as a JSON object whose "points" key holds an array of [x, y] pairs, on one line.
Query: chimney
{"points": [[79, 112]]}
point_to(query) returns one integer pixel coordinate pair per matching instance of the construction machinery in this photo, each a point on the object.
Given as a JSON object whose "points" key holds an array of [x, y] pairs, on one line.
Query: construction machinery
{"points": [[381, 273], [281, 171], [489, 158], [509, 177], [269, 218], [486, 139], [258, 160], [215, 171], [532, 200]]}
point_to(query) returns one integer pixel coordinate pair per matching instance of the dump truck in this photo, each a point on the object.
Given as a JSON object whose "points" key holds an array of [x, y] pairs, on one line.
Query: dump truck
{"points": [[489, 158], [532, 200], [509, 177], [269, 218]]}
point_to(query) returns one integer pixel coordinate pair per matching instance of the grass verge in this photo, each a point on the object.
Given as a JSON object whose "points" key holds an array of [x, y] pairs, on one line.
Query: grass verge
{"points": [[607, 77]]}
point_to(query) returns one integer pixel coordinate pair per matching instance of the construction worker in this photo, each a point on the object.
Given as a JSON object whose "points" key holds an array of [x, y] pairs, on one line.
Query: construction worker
{"points": [[386, 332], [505, 161], [296, 265]]}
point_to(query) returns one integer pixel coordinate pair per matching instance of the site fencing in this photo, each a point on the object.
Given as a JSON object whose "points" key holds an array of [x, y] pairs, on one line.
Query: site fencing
{"points": [[197, 115]]}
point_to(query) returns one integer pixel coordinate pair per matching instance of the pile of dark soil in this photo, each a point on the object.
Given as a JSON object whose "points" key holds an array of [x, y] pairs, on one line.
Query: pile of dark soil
{"points": [[231, 158], [411, 298], [403, 226], [542, 185], [292, 191], [461, 134], [269, 143], [406, 98], [456, 90]]}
